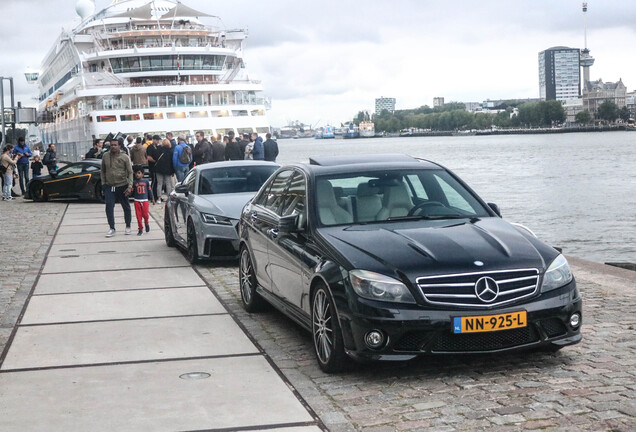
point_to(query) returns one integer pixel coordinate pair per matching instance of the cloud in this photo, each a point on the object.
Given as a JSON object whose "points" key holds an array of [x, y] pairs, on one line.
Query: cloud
{"points": [[331, 58]]}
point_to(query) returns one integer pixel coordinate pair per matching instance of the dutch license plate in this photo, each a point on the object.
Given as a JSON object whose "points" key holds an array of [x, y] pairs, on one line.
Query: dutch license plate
{"points": [[489, 323]]}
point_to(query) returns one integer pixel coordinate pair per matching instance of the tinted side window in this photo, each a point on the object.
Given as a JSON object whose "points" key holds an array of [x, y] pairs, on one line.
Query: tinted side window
{"points": [[295, 196], [189, 180], [276, 194]]}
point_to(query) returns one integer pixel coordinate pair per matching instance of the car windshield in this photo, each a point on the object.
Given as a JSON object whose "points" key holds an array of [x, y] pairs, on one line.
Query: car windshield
{"points": [[380, 196], [235, 179]]}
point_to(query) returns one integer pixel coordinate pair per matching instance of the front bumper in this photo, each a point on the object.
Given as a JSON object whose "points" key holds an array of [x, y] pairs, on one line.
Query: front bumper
{"points": [[217, 241], [411, 331]]}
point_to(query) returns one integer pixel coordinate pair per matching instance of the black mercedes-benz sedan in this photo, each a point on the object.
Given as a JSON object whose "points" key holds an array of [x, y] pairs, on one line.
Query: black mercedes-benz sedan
{"points": [[386, 257]]}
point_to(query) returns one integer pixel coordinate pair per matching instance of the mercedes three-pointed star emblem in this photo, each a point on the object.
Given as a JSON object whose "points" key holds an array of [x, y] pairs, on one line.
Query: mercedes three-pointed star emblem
{"points": [[486, 289]]}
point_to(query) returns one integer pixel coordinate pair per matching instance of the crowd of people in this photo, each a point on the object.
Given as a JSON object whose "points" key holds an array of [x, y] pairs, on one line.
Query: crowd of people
{"points": [[14, 166], [167, 159]]}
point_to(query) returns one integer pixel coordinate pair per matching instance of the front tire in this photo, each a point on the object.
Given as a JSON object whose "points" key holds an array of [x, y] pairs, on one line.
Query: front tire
{"points": [[252, 301], [326, 332], [36, 190], [192, 251], [99, 192], [167, 229]]}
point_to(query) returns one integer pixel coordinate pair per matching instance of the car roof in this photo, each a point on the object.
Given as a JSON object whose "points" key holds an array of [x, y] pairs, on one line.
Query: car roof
{"points": [[320, 165], [359, 159], [234, 163]]}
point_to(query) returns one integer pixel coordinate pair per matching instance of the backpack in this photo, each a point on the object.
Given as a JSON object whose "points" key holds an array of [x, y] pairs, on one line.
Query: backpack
{"points": [[186, 155]]}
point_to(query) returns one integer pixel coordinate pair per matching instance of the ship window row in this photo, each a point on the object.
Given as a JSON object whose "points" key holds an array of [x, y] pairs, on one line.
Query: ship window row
{"points": [[60, 83], [177, 100], [168, 62], [179, 115]]}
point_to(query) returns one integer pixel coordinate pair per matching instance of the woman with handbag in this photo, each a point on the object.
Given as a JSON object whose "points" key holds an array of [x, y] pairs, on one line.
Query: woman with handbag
{"points": [[7, 168]]}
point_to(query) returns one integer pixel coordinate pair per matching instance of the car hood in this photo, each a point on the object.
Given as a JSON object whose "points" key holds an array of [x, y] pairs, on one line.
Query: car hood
{"points": [[422, 248], [228, 205]]}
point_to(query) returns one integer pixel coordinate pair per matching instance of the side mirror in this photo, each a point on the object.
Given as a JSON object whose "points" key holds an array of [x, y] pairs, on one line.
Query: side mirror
{"points": [[288, 224], [494, 207], [182, 189]]}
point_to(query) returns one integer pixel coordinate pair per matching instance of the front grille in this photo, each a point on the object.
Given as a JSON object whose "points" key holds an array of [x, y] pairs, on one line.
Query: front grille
{"points": [[219, 248], [554, 327], [490, 341], [459, 289], [412, 341]]}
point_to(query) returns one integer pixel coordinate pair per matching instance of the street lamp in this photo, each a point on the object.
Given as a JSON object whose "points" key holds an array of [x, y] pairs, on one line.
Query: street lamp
{"points": [[2, 79]]}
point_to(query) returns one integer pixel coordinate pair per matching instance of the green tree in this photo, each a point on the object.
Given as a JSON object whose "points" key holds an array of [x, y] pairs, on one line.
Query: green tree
{"points": [[583, 117], [608, 111], [552, 112], [624, 114]]}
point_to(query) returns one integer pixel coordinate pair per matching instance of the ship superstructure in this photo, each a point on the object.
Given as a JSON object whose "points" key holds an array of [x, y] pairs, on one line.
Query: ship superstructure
{"points": [[141, 66]]}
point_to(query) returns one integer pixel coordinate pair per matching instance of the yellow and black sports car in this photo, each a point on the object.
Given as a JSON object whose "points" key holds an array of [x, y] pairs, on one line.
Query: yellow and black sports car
{"points": [[75, 180]]}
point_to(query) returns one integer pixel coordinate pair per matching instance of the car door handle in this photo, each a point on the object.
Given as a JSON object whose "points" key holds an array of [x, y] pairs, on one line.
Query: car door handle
{"points": [[273, 232]]}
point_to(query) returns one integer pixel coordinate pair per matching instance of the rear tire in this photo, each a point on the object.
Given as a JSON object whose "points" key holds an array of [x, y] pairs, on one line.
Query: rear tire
{"points": [[252, 301], [326, 333], [36, 190], [167, 229]]}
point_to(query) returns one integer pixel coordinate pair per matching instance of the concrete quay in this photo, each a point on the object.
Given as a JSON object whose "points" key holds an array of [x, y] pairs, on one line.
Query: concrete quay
{"points": [[123, 334], [100, 345]]}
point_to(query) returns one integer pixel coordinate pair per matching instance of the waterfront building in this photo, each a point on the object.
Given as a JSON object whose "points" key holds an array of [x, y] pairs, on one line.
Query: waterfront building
{"points": [[473, 106], [597, 92], [146, 66], [438, 102], [559, 73], [384, 103], [630, 102]]}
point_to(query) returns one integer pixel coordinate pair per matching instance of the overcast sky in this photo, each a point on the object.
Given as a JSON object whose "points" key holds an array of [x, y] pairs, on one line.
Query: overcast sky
{"points": [[325, 60]]}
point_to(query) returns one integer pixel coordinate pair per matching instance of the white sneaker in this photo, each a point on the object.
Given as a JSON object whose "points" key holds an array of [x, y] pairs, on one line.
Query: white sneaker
{"points": [[128, 231], [110, 233]]}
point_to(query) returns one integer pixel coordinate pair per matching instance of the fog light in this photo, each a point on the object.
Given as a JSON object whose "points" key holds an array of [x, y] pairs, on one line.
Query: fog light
{"points": [[575, 320], [374, 339]]}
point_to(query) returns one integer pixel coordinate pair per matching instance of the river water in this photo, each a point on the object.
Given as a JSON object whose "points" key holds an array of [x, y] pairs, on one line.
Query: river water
{"points": [[575, 191]]}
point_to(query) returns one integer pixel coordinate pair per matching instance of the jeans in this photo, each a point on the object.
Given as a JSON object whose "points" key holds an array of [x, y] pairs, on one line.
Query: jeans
{"points": [[116, 194], [23, 171], [181, 172], [164, 179], [6, 187]]}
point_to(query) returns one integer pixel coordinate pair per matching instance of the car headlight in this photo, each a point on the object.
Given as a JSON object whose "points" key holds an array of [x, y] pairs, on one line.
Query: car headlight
{"points": [[376, 286], [557, 275], [214, 219]]}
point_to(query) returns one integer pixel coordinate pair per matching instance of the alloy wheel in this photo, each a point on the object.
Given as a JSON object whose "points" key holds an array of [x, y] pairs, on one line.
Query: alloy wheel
{"points": [[323, 327]]}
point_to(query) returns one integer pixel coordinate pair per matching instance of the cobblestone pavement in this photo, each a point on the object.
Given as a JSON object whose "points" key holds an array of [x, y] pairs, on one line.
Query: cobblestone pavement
{"points": [[590, 386], [27, 232]]}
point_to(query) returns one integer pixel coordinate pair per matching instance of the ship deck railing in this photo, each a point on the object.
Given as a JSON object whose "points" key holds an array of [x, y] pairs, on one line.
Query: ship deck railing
{"points": [[170, 83]]}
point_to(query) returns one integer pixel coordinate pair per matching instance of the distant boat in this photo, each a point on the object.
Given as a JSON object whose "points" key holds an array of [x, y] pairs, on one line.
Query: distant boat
{"points": [[325, 133], [367, 129], [352, 132]]}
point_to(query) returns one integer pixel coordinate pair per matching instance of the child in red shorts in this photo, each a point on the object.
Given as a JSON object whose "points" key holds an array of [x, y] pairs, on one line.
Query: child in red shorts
{"points": [[142, 193]]}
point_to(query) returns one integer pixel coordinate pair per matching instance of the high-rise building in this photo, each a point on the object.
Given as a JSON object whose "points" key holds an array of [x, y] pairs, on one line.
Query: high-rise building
{"points": [[438, 102], [559, 73], [383, 103]]}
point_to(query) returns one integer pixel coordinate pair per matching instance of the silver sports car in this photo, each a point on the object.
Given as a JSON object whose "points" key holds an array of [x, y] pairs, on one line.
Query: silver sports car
{"points": [[202, 212]]}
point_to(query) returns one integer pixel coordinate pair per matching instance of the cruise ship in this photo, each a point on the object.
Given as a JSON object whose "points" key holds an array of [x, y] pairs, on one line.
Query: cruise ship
{"points": [[146, 66]]}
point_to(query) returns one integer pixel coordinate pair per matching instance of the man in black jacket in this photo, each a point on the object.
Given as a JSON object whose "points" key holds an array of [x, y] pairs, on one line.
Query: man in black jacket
{"points": [[203, 150], [232, 150], [271, 148], [163, 168], [218, 150], [152, 153]]}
